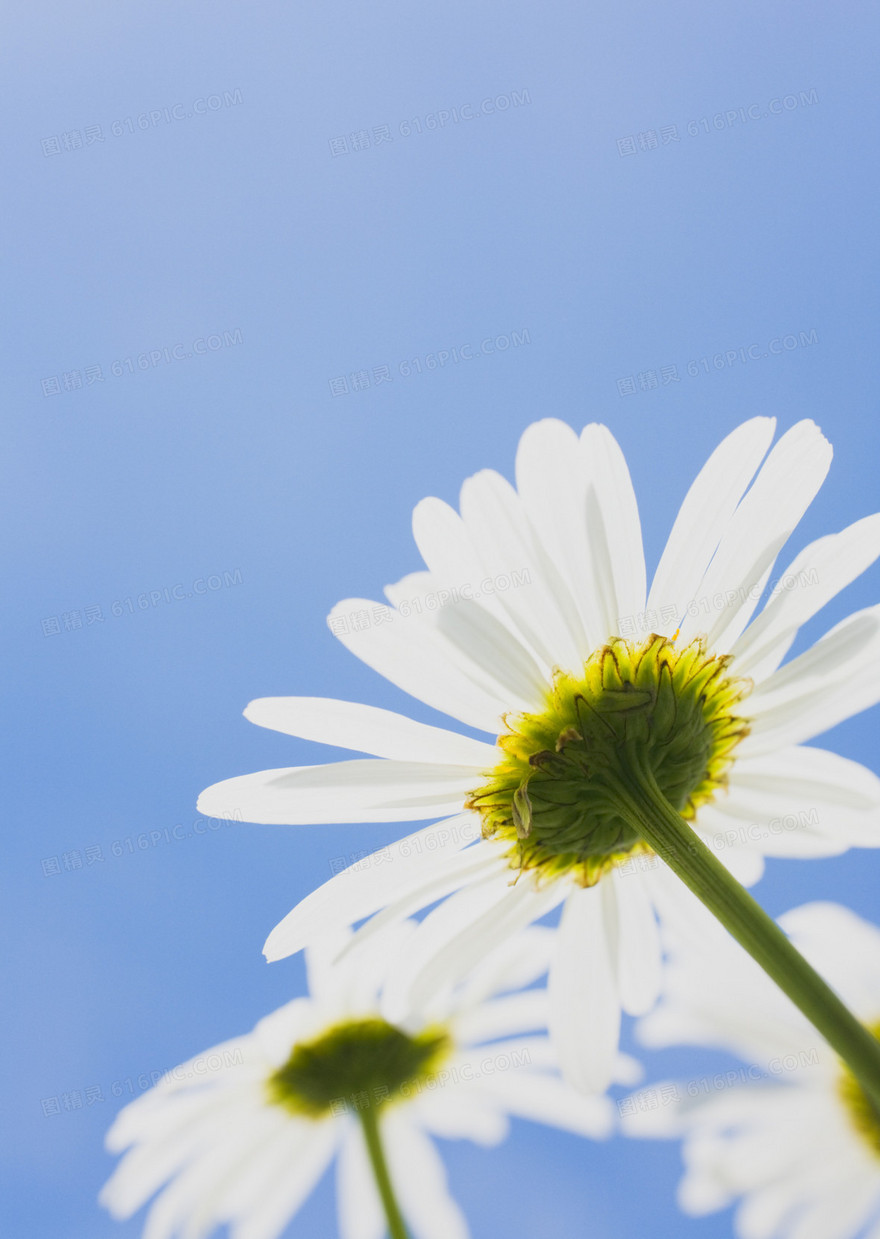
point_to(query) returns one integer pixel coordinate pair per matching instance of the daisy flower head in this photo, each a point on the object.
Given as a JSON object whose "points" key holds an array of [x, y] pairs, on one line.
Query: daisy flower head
{"points": [[239, 1135], [792, 1138], [592, 687]]}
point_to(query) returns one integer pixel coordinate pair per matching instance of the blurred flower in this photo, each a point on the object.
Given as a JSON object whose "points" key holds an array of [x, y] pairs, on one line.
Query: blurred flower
{"points": [[793, 1138], [240, 1135], [533, 623]]}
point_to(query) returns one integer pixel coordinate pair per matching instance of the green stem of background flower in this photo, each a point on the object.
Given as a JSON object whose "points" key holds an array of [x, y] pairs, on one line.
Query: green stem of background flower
{"points": [[690, 859], [370, 1122]]}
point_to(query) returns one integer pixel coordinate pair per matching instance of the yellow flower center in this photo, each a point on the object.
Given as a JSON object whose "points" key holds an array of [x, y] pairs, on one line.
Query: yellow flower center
{"points": [[559, 794], [357, 1064]]}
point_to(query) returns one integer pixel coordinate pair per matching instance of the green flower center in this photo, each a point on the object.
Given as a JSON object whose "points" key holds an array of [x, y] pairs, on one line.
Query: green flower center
{"points": [[559, 794], [359, 1064], [862, 1110]]}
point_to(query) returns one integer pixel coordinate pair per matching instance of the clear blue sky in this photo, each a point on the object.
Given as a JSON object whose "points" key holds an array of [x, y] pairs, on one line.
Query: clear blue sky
{"points": [[201, 256]]}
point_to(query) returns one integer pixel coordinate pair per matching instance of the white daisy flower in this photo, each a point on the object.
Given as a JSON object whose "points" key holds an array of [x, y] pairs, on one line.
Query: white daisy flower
{"points": [[240, 1135], [797, 1143], [534, 623]]}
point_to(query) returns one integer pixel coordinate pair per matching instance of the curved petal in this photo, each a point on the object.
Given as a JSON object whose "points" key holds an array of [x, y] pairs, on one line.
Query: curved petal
{"points": [[367, 729], [179, 1133], [416, 657], [502, 1017], [584, 1003], [799, 801], [837, 678], [419, 1178], [358, 1204], [480, 863], [552, 484], [546, 1099], [293, 1180], [705, 514], [446, 547], [450, 919], [783, 490], [638, 945], [617, 560], [517, 907], [365, 790], [814, 577], [485, 639], [246, 1185], [463, 1113], [515, 964], [357, 892], [542, 608]]}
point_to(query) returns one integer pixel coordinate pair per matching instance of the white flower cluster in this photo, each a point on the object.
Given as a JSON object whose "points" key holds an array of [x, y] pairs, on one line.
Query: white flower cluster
{"points": [[528, 821]]}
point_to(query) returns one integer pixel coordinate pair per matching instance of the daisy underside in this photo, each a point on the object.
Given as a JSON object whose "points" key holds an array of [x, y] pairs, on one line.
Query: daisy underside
{"points": [[558, 797]]}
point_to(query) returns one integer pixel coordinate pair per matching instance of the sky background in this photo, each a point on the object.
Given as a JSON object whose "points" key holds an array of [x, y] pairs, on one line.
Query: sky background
{"points": [[236, 235]]}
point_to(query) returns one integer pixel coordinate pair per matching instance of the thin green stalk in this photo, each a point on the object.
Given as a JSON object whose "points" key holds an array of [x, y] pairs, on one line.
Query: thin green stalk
{"points": [[370, 1122], [690, 859]]}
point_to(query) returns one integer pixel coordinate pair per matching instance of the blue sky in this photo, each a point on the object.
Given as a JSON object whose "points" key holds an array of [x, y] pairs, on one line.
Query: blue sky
{"points": [[241, 238]]}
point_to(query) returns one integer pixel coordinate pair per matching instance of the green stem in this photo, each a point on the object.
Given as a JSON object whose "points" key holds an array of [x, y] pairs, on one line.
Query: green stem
{"points": [[690, 859], [370, 1123]]}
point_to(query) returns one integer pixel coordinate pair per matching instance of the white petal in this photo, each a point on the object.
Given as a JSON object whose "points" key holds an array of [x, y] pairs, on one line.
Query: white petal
{"points": [[487, 643], [481, 862], [546, 1099], [820, 572], [184, 1126], [542, 609], [130, 1122], [416, 657], [367, 729], [290, 1189], [799, 801], [763, 1211], [585, 1006], [447, 549], [705, 514], [259, 1168], [715, 994], [275, 1033], [501, 655], [660, 1122], [464, 1113], [845, 1208], [617, 563], [360, 1209], [638, 946], [411, 591], [760, 526], [552, 483], [452, 918], [358, 891], [501, 1017], [516, 907], [364, 790], [419, 1179], [511, 966], [344, 981], [835, 679], [188, 1202], [684, 920]]}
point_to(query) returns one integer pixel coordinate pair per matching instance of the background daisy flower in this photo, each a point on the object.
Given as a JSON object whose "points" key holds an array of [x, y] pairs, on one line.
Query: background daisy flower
{"points": [[578, 666], [798, 1143], [240, 1134]]}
